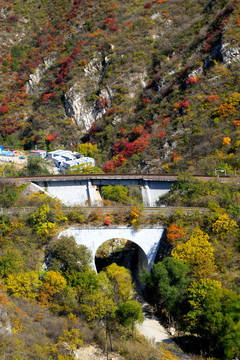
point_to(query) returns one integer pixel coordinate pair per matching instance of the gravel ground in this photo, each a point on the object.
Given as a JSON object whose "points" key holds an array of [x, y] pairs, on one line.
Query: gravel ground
{"points": [[153, 331], [12, 159], [93, 353]]}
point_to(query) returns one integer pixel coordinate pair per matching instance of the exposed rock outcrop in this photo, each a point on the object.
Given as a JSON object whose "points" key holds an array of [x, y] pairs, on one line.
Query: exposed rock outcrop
{"points": [[79, 102], [230, 54], [36, 77], [82, 111], [5, 326]]}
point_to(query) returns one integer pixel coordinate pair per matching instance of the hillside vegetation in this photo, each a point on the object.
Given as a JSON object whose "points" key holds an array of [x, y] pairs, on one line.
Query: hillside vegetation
{"points": [[143, 87], [153, 84], [47, 281]]}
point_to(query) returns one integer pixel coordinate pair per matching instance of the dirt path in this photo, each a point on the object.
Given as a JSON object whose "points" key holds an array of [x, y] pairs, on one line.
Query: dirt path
{"points": [[151, 327], [153, 331], [156, 333]]}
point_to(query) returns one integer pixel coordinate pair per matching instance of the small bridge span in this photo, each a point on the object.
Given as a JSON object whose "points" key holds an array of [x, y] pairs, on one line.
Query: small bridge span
{"points": [[85, 189], [148, 239]]}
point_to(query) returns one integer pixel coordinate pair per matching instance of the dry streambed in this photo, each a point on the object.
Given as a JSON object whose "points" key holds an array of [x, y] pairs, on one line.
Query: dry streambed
{"points": [[156, 333]]}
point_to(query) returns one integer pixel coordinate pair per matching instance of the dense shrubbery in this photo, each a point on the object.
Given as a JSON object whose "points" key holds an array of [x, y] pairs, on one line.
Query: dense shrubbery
{"points": [[8, 195], [116, 193]]}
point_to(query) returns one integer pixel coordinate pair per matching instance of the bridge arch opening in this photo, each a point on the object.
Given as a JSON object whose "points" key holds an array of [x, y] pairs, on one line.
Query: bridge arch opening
{"points": [[148, 239], [125, 253]]}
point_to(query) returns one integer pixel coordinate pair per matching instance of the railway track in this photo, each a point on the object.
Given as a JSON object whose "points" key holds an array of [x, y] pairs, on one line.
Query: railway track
{"points": [[106, 209]]}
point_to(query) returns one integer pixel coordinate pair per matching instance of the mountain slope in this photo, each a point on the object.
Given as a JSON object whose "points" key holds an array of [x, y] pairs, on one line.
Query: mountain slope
{"points": [[154, 84]]}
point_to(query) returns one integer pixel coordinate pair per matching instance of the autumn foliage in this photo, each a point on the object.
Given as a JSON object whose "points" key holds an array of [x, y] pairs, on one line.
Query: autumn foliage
{"points": [[198, 253], [174, 233]]}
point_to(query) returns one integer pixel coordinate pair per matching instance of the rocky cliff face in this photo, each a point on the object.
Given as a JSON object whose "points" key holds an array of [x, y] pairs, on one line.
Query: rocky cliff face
{"points": [[230, 54], [76, 103]]}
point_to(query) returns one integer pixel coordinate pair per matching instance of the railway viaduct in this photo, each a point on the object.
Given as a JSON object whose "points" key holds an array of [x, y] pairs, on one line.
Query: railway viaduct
{"points": [[82, 190]]}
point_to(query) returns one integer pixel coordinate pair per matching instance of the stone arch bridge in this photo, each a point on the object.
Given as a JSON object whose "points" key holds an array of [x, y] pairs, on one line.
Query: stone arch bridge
{"points": [[148, 239]]}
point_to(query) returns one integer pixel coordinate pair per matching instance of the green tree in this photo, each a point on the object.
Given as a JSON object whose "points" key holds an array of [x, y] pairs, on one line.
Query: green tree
{"points": [[231, 337], [118, 193], [65, 301], [9, 170], [36, 166], [168, 284], [128, 313], [8, 195], [67, 255], [95, 296], [11, 261], [197, 294], [215, 315]]}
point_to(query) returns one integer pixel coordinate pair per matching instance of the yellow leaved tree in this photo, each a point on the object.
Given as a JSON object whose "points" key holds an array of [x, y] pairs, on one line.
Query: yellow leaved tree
{"points": [[23, 285], [198, 292], [224, 226], [88, 149], [121, 280], [42, 221], [52, 284], [197, 252], [69, 340]]}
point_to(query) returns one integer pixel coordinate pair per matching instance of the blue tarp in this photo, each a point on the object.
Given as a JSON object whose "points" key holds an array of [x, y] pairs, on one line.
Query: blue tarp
{"points": [[7, 153]]}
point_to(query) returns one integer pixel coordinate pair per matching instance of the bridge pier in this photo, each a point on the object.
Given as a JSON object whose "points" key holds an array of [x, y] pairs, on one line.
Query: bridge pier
{"points": [[94, 196], [146, 194], [153, 190]]}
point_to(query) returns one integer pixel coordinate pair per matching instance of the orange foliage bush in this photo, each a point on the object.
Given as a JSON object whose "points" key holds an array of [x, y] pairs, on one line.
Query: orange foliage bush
{"points": [[107, 221], [227, 109], [174, 233], [226, 141], [236, 123], [212, 98]]}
